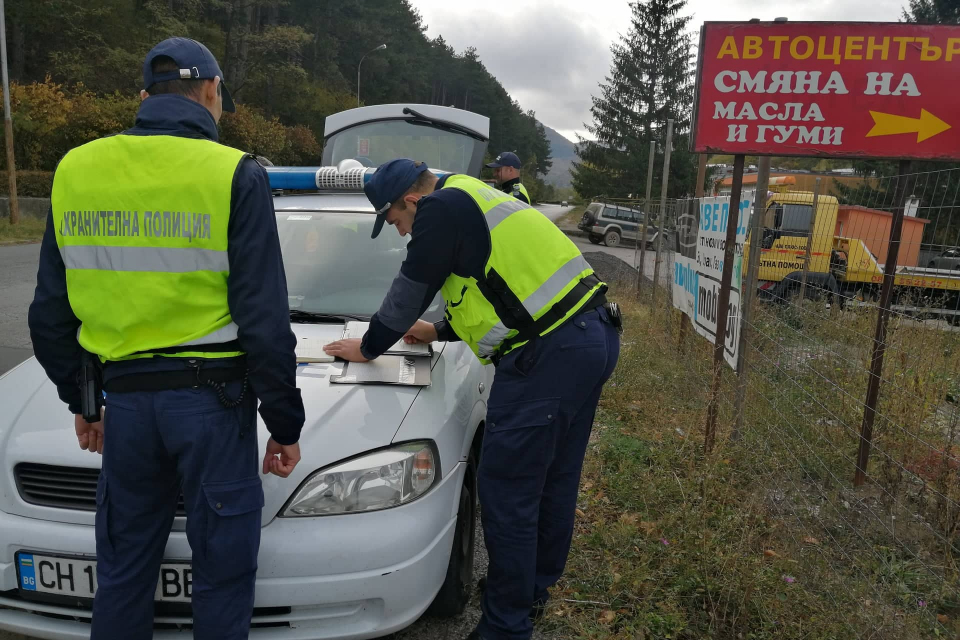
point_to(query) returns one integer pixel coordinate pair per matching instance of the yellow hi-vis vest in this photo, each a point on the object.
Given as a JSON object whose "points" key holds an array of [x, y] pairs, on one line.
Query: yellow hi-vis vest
{"points": [[141, 223], [532, 265]]}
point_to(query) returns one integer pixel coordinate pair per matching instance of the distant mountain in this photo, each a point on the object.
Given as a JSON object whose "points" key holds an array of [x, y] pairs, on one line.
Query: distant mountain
{"points": [[563, 152]]}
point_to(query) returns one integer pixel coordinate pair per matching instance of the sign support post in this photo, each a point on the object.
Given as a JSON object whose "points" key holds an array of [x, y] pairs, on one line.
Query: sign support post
{"points": [[723, 303]]}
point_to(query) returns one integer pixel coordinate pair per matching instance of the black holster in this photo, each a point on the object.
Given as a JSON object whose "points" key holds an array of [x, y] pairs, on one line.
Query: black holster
{"points": [[91, 387]]}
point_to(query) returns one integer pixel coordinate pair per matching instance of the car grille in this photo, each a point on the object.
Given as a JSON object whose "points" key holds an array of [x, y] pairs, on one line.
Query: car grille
{"points": [[63, 487]]}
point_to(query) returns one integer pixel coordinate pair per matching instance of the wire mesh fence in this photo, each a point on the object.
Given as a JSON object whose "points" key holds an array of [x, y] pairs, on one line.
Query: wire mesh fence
{"points": [[856, 462]]}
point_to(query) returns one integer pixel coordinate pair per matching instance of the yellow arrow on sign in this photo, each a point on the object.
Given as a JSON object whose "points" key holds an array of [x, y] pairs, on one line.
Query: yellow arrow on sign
{"points": [[926, 126]]}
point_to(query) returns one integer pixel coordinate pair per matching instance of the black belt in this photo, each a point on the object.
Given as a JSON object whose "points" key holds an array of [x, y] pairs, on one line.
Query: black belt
{"points": [[556, 313], [219, 347], [194, 376]]}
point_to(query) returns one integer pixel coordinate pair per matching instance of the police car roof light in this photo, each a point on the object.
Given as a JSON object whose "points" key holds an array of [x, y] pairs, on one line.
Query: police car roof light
{"points": [[323, 178]]}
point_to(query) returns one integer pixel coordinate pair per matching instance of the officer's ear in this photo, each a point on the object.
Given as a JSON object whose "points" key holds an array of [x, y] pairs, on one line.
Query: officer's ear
{"points": [[412, 198]]}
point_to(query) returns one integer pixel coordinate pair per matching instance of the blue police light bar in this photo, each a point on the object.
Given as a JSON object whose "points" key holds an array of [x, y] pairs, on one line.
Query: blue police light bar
{"points": [[324, 178]]}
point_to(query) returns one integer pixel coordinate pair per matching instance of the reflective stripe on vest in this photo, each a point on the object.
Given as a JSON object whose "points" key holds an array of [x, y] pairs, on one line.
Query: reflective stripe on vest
{"points": [[537, 261], [141, 223], [160, 259]]}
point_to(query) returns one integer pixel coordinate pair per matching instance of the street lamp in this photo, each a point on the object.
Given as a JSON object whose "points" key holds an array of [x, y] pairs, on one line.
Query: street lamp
{"points": [[383, 46]]}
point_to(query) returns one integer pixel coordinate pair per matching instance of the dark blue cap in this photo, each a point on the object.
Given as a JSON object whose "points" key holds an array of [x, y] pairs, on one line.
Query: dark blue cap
{"points": [[391, 180], [505, 159], [195, 62]]}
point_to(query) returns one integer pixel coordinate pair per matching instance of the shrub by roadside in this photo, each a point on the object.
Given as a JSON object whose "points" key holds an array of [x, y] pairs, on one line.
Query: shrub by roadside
{"points": [[27, 230], [30, 184]]}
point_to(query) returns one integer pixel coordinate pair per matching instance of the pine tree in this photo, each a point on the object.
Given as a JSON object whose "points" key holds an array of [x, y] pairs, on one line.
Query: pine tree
{"points": [[650, 81], [933, 11]]}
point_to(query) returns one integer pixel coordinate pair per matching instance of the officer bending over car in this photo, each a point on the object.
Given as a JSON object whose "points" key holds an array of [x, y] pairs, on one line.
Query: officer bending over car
{"points": [[521, 295]]}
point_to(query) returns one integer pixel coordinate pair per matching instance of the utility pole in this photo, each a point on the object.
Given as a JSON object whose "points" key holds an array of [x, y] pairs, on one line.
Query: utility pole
{"points": [[8, 122]]}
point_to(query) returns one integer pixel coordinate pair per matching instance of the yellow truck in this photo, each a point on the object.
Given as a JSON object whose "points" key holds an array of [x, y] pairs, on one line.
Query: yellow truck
{"points": [[842, 264]]}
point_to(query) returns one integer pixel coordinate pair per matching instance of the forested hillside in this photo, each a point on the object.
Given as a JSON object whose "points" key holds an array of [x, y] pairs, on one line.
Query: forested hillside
{"points": [[76, 69]]}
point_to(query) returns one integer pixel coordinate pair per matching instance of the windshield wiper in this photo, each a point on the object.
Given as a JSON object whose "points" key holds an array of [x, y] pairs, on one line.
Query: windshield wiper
{"points": [[296, 315], [422, 119]]}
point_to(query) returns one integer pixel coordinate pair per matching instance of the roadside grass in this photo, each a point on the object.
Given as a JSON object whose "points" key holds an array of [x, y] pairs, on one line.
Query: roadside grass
{"points": [[755, 541], [27, 230], [572, 217]]}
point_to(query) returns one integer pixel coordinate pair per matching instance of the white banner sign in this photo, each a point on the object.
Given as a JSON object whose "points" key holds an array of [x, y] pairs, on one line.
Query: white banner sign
{"points": [[698, 265]]}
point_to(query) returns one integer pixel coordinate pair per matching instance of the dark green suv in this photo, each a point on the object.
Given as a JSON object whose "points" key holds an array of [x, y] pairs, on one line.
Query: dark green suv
{"points": [[616, 224]]}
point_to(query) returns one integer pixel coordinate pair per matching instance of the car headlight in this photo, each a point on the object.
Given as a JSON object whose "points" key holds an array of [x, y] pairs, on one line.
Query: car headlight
{"points": [[379, 480]]}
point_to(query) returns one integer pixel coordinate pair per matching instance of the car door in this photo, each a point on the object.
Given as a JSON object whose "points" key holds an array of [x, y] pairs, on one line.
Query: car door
{"points": [[630, 222]]}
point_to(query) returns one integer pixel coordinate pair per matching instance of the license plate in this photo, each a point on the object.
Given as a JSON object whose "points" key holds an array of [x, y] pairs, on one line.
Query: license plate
{"points": [[77, 577]]}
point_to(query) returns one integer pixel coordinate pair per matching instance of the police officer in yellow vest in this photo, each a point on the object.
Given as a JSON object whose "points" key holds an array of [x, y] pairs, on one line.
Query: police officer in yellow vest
{"points": [[519, 293], [161, 268], [506, 171]]}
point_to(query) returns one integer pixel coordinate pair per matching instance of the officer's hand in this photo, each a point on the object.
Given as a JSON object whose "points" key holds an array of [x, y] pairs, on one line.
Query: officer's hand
{"points": [[421, 333], [348, 350], [90, 436], [280, 459]]}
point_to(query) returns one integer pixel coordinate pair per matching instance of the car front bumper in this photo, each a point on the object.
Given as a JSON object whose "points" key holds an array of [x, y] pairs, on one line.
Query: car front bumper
{"points": [[347, 577]]}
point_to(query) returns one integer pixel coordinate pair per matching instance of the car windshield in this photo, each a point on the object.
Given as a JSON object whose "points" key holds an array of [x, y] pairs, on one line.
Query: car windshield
{"points": [[334, 267], [373, 143]]}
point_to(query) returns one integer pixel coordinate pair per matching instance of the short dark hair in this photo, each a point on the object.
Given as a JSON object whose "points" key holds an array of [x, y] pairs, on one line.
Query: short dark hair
{"points": [[424, 182], [190, 88]]}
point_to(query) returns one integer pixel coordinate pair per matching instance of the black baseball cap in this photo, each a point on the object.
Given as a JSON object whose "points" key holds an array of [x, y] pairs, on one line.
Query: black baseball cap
{"points": [[195, 62], [505, 159], [391, 180]]}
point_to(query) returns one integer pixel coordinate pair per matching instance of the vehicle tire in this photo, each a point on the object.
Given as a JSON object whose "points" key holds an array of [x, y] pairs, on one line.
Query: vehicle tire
{"points": [[932, 265], [594, 239], [611, 239], [454, 595]]}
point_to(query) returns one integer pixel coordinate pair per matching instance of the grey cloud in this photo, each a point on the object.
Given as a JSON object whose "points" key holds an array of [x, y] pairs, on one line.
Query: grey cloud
{"points": [[544, 57], [551, 56]]}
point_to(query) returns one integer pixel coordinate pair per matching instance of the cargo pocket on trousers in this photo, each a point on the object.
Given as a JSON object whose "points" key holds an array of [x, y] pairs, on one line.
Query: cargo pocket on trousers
{"points": [[102, 518], [523, 414], [232, 535], [519, 438]]}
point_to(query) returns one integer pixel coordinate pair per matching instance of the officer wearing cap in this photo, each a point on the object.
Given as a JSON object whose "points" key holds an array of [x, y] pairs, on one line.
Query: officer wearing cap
{"points": [[521, 295], [161, 267], [506, 171]]}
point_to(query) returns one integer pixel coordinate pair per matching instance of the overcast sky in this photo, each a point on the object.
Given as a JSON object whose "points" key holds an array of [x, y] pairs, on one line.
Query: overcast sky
{"points": [[551, 55]]}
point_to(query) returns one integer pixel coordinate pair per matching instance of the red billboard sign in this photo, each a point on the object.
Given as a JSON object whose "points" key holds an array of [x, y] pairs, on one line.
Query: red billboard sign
{"points": [[880, 90]]}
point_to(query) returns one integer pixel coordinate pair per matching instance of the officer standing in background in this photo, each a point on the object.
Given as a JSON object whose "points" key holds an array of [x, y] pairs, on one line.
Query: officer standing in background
{"points": [[506, 171], [521, 295], [161, 259]]}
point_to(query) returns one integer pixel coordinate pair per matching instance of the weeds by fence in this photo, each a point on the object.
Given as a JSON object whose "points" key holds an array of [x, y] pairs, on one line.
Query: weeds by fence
{"points": [[879, 560]]}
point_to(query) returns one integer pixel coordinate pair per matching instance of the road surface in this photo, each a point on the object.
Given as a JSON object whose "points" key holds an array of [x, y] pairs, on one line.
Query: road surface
{"points": [[18, 277]]}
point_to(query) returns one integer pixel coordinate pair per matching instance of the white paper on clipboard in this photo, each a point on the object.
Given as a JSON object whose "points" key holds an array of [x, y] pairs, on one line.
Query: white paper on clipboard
{"points": [[410, 371]]}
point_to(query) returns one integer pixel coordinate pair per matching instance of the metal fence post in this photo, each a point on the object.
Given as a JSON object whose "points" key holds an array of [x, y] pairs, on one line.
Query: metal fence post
{"points": [[663, 207], [697, 194], [806, 255], [8, 123], [723, 303], [748, 290], [642, 237], [883, 315]]}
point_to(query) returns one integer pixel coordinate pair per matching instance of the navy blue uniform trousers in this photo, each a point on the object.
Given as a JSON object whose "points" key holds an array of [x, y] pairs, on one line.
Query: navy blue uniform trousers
{"points": [[155, 444], [539, 419]]}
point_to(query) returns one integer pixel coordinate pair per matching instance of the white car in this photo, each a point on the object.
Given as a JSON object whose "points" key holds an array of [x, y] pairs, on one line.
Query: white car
{"points": [[376, 525]]}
